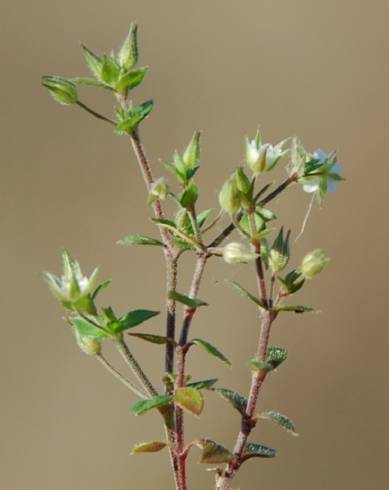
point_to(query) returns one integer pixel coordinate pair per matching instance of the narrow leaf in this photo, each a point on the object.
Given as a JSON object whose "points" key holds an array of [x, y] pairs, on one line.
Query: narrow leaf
{"points": [[131, 79], [148, 447], [295, 308], [189, 399], [276, 356], [200, 385], [99, 288], [280, 419], [238, 401], [203, 216], [248, 295], [139, 240], [214, 453], [185, 300], [253, 450], [143, 406], [154, 339], [134, 318], [93, 61], [211, 350]]}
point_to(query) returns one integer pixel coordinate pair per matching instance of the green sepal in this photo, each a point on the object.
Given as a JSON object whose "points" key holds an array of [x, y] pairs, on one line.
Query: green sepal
{"points": [[99, 288], [245, 223], [279, 419], [211, 349], [189, 399], [87, 329], [130, 80], [214, 453], [154, 339], [139, 240], [148, 447], [265, 214], [143, 406], [188, 197], [133, 319], [253, 450], [128, 53], [205, 384], [191, 155], [135, 117], [238, 401], [292, 282], [185, 300], [248, 295], [110, 71], [94, 62], [90, 82]]}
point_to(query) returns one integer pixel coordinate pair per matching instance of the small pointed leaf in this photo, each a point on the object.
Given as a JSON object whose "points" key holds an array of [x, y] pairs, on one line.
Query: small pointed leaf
{"points": [[211, 350], [139, 240], [154, 339], [143, 406], [134, 318], [214, 453], [248, 295], [189, 399], [185, 300], [99, 288], [253, 450], [238, 401], [148, 447], [130, 80], [93, 61], [200, 385], [280, 419], [295, 308]]}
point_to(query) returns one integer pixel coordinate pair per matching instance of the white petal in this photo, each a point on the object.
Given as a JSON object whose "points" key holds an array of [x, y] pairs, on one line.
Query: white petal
{"points": [[312, 187]]}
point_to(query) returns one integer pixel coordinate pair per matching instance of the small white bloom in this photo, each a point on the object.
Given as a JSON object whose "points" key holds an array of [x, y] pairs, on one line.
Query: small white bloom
{"points": [[158, 190], [237, 253], [262, 157], [329, 170]]}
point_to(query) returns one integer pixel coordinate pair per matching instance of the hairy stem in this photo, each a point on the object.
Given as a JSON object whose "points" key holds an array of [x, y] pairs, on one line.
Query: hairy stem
{"points": [[180, 442], [135, 367], [118, 376]]}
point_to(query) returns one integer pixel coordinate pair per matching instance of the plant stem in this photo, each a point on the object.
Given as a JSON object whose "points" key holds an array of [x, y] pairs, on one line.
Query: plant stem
{"points": [[194, 288], [180, 440], [135, 367], [118, 376], [95, 114]]}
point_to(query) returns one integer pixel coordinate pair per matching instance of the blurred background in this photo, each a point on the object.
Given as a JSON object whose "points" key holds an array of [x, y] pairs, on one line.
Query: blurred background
{"points": [[317, 69]]}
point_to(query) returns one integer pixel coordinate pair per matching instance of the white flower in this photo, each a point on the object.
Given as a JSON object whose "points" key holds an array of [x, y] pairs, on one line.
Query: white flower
{"points": [[330, 172], [237, 253], [263, 157], [158, 190]]}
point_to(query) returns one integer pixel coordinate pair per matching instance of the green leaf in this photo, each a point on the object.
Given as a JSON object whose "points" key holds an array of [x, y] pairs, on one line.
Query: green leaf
{"points": [[148, 447], [245, 223], [136, 116], [128, 53], [189, 196], [203, 216], [134, 318], [110, 70], [143, 406], [201, 385], [99, 288], [154, 339], [93, 61], [214, 453], [139, 240], [275, 357], [211, 350], [279, 419], [185, 300], [265, 214], [248, 295], [295, 308], [87, 329], [238, 401], [90, 82], [253, 450], [189, 399], [131, 79], [191, 156]]}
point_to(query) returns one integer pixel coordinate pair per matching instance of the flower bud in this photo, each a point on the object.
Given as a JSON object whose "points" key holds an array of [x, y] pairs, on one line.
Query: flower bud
{"points": [[158, 190], [237, 253], [279, 253], [242, 181], [191, 156], [313, 263], [89, 345], [230, 197], [62, 90], [128, 54]]}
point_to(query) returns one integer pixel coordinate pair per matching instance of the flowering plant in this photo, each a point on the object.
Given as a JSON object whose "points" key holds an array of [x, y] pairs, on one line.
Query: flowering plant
{"points": [[244, 200]]}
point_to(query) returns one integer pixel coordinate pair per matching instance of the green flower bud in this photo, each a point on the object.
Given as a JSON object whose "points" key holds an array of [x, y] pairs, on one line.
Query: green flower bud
{"points": [[62, 90], [89, 345], [230, 197], [279, 253], [313, 263], [182, 220], [191, 156], [128, 54], [158, 190], [242, 181], [237, 253]]}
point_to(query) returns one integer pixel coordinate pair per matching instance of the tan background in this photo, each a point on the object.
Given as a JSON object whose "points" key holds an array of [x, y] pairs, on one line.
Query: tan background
{"points": [[318, 69]]}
